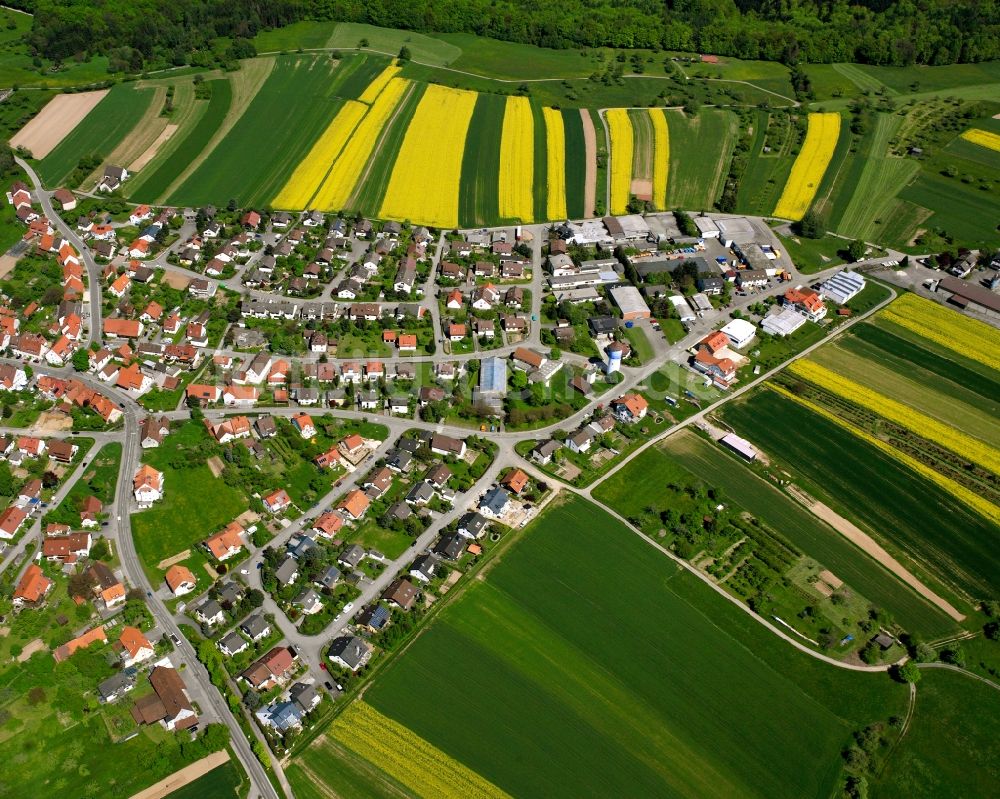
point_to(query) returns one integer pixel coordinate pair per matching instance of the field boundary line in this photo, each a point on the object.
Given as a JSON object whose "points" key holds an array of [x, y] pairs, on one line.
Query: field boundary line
{"points": [[183, 776]]}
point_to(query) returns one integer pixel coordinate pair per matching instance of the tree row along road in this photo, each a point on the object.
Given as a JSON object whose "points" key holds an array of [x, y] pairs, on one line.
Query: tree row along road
{"points": [[311, 647]]}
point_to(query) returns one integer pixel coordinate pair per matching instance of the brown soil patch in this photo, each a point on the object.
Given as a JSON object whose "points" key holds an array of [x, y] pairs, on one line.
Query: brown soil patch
{"points": [[823, 588], [861, 539], [212, 573], [7, 264], [176, 280], [830, 579], [54, 122], [187, 774], [642, 188], [150, 152], [215, 465], [53, 422], [590, 146], [38, 645], [248, 517], [166, 564]]}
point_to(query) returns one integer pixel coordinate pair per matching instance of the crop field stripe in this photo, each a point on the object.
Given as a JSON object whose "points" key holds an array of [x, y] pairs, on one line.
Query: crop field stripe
{"points": [[478, 197], [698, 669], [804, 530], [984, 138], [765, 174], [339, 185], [945, 327], [296, 89], [425, 180], [361, 71], [620, 148], [404, 756], [370, 191], [154, 186], [309, 175], [98, 133], [915, 355], [701, 147], [642, 144], [661, 157], [541, 162], [840, 164], [908, 508], [957, 209], [576, 162], [810, 166], [516, 179], [374, 89], [862, 79], [942, 400], [555, 142]]}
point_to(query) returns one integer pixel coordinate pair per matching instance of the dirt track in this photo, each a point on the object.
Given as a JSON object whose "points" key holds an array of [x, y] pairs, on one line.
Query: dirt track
{"points": [[54, 122], [590, 180], [861, 539], [150, 152], [184, 776]]}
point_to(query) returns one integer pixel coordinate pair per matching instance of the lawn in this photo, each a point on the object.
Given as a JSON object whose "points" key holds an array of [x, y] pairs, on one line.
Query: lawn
{"points": [[740, 484], [939, 538], [99, 480], [194, 142], [642, 348], [98, 133], [195, 504], [706, 690], [813, 255], [478, 193], [253, 161], [700, 148], [950, 748], [222, 781]]}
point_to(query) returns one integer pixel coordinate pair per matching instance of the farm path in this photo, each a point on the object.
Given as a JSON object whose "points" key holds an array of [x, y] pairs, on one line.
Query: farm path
{"points": [[960, 670], [181, 778], [870, 547]]}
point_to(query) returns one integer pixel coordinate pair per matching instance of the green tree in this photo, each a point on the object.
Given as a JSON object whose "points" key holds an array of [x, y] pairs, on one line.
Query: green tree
{"points": [[404, 53], [81, 361], [857, 249], [908, 672], [810, 226]]}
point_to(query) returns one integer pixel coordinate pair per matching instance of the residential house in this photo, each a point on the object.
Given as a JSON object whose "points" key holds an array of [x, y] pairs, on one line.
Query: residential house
{"points": [[180, 580], [349, 652], [147, 486], [168, 704]]}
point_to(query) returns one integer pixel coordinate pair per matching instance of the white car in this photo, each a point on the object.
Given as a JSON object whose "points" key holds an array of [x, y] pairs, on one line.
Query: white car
{"points": [[348, 607]]}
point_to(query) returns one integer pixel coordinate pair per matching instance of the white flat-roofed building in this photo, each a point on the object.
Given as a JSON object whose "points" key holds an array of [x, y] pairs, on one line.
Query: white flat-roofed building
{"points": [[842, 287], [683, 309], [740, 332], [706, 227], [700, 302], [735, 230], [784, 323], [630, 302], [740, 446]]}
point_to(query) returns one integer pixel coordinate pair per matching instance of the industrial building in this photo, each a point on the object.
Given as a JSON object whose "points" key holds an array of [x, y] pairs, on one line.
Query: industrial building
{"points": [[630, 302], [842, 287]]}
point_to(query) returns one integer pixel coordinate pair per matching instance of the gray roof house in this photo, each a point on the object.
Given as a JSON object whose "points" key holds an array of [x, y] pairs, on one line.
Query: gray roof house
{"points": [[350, 652], [472, 525], [288, 572], [351, 556], [232, 643], [450, 547], [256, 627], [209, 612], [304, 695], [494, 502], [330, 577], [117, 685], [424, 567], [421, 493]]}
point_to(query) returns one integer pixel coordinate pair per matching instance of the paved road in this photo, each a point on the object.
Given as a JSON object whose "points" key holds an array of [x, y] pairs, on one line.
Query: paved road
{"points": [[96, 327]]}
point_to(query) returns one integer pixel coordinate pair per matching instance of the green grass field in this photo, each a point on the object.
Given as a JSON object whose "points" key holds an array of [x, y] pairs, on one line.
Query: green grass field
{"points": [[98, 133], [540, 174], [198, 136], [950, 748], [223, 781], [307, 35], [642, 143], [813, 255], [478, 192], [944, 541], [957, 209], [297, 89], [587, 641], [767, 173], [700, 148], [576, 162], [425, 49], [194, 504]]}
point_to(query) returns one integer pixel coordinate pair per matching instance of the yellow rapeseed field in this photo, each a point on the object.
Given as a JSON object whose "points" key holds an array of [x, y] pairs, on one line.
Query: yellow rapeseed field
{"points": [[517, 161], [920, 423], [406, 757], [984, 138], [339, 185], [661, 157], [425, 178], [309, 174], [960, 492], [555, 149], [809, 166], [622, 147], [374, 89], [946, 327]]}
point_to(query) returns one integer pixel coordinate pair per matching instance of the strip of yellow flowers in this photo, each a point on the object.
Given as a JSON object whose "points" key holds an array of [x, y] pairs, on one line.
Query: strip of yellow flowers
{"points": [[555, 150], [661, 157], [374, 89], [810, 166], [516, 198], [408, 758], [984, 138], [622, 148], [946, 327], [960, 492], [425, 178], [312, 170]]}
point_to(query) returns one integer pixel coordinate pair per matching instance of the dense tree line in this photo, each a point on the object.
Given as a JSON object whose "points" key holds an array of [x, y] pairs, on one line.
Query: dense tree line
{"points": [[791, 31]]}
